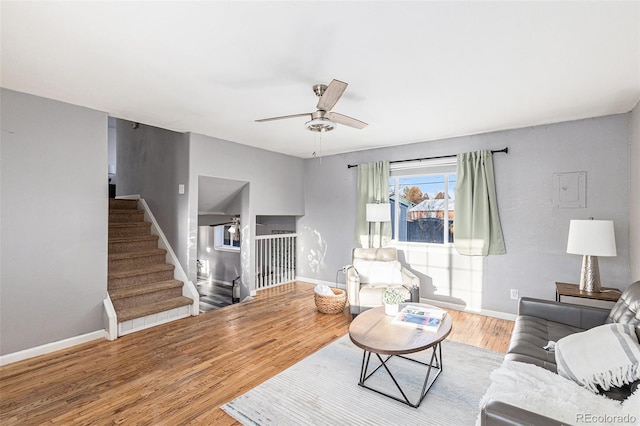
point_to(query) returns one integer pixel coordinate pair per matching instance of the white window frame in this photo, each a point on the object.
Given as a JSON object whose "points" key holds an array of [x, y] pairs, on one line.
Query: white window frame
{"points": [[218, 239], [437, 167]]}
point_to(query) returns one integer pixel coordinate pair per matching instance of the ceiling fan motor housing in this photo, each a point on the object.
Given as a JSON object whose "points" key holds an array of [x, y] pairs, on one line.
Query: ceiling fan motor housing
{"points": [[319, 89]]}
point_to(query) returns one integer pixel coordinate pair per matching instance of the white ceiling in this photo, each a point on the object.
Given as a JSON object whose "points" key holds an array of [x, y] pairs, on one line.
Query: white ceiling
{"points": [[417, 71]]}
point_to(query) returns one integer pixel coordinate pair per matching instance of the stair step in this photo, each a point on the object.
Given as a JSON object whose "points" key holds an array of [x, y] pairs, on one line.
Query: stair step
{"points": [[141, 289], [126, 314], [120, 203], [136, 259], [133, 238], [126, 229], [134, 277], [141, 271], [136, 254], [144, 294], [134, 243], [125, 215]]}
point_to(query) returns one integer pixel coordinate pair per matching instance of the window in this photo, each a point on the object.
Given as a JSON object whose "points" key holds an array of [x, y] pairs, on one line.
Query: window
{"points": [[223, 240], [423, 202]]}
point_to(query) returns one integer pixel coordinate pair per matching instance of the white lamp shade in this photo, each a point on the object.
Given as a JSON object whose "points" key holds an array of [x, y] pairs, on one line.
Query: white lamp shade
{"points": [[592, 238], [379, 212]]}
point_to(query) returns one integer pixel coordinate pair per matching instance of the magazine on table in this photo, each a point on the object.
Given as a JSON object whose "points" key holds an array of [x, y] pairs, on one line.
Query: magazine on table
{"points": [[418, 317]]}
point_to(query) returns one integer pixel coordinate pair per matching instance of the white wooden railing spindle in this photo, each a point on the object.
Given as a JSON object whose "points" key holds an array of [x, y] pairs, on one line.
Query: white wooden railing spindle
{"points": [[275, 259]]}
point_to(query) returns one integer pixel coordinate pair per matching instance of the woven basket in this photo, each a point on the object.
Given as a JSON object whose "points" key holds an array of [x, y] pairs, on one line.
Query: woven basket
{"points": [[331, 304]]}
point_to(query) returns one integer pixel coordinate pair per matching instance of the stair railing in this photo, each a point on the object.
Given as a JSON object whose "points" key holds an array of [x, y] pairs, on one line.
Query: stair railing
{"points": [[275, 260]]}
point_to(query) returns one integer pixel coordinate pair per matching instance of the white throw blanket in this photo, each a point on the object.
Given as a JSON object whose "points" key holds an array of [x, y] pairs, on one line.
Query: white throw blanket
{"points": [[541, 391], [323, 290], [605, 356]]}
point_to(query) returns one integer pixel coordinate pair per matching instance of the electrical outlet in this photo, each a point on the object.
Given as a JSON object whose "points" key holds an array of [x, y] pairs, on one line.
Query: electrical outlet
{"points": [[514, 293]]}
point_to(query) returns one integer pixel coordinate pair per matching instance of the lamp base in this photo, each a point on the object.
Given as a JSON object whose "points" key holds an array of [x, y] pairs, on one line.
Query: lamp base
{"points": [[590, 275]]}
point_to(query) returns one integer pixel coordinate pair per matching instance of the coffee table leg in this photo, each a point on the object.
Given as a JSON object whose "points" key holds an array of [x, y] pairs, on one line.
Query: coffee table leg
{"points": [[364, 367], [438, 366], [434, 363]]}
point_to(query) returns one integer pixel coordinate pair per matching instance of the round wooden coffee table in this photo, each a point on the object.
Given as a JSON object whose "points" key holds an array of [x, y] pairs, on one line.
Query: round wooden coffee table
{"points": [[373, 331]]}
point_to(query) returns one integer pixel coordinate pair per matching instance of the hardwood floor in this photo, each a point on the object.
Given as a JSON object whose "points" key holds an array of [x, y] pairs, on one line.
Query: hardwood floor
{"points": [[183, 371]]}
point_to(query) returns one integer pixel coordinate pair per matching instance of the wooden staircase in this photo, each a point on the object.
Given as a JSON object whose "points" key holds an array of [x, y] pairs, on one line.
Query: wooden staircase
{"points": [[141, 283]]}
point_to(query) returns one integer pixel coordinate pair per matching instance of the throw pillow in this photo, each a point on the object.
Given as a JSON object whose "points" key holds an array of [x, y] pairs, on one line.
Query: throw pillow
{"points": [[378, 272], [605, 356]]}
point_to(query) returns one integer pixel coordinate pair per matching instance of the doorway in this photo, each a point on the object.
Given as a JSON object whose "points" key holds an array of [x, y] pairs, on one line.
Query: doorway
{"points": [[219, 247]]}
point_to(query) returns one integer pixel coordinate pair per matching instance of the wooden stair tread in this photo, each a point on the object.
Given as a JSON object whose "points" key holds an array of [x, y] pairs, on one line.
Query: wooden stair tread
{"points": [[149, 269], [132, 238], [136, 254], [122, 293], [126, 314]]}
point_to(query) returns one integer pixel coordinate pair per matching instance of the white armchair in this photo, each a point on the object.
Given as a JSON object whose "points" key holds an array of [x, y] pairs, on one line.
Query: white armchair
{"points": [[371, 272]]}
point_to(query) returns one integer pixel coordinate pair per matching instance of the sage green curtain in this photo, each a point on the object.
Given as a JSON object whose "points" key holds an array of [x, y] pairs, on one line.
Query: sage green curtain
{"points": [[373, 186], [477, 223]]}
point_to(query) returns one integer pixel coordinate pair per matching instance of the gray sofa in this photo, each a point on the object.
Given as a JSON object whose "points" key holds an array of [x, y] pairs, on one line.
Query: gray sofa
{"points": [[541, 321]]}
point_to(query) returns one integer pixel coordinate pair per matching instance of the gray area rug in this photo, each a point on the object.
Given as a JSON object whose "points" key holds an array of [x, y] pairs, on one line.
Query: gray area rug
{"points": [[322, 389]]}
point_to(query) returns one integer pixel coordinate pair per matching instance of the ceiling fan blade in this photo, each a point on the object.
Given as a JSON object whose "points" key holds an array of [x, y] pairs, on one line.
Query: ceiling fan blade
{"points": [[347, 121], [213, 225], [306, 114], [332, 95]]}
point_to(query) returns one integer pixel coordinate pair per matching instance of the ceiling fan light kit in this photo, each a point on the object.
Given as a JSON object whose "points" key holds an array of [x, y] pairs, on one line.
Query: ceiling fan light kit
{"points": [[323, 120], [320, 125]]}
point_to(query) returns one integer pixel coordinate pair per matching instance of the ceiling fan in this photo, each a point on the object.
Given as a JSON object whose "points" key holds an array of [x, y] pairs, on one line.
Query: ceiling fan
{"points": [[231, 221], [234, 227], [324, 120]]}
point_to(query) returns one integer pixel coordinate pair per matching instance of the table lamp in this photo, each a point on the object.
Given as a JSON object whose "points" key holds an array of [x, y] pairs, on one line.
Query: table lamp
{"points": [[377, 212], [591, 238]]}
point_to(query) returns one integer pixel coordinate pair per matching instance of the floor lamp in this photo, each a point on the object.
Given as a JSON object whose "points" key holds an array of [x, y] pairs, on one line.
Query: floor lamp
{"points": [[377, 212], [591, 238]]}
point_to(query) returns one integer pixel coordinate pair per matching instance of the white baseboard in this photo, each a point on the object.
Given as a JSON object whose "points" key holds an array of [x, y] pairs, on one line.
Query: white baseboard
{"points": [[51, 347], [142, 323], [485, 312], [327, 283]]}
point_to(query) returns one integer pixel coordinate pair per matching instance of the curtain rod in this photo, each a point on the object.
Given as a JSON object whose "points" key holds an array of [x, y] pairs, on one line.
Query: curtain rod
{"points": [[505, 150]]}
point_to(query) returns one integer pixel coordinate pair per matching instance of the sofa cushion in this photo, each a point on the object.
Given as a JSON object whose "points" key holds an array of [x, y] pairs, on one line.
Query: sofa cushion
{"points": [[530, 335]]}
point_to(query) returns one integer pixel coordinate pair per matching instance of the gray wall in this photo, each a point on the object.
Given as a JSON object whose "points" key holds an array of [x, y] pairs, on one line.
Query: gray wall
{"points": [[276, 184], [269, 224], [224, 265], [152, 162], [634, 193], [535, 233], [54, 221]]}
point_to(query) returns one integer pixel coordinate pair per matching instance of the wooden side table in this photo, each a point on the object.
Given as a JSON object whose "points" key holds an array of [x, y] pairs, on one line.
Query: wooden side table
{"points": [[571, 293]]}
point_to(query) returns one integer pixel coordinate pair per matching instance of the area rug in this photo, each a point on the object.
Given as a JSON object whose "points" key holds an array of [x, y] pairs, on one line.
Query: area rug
{"points": [[322, 389]]}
